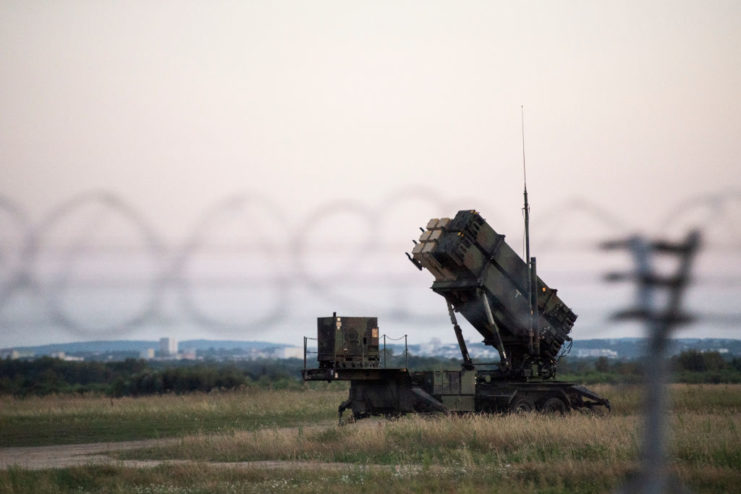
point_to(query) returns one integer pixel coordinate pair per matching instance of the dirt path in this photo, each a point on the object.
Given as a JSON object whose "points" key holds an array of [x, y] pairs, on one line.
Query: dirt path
{"points": [[70, 455]]}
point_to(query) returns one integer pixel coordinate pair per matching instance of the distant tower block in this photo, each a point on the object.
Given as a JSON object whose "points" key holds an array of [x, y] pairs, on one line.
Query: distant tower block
{"points": [[168, 347]]}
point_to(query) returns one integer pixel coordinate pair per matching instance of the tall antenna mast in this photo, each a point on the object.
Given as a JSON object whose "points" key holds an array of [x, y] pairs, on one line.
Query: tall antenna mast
{"points": [[532, 296], [526, 209]]}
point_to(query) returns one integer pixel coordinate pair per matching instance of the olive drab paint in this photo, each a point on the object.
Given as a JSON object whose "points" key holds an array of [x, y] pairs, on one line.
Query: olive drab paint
{"points": [[482, 278], [347, 342]]}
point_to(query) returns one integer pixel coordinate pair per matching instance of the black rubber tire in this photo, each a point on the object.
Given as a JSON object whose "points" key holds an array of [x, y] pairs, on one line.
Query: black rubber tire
{"points": [[554, 405], [522, 404]]}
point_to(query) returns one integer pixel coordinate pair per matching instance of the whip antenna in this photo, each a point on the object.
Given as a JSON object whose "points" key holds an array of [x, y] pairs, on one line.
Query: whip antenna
{"points": [[526, 209], [532, 295], [524, 171]]}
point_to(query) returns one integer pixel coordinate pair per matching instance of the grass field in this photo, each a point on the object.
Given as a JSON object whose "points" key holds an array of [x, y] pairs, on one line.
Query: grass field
{"points": [[70, 419], [515, 453]]}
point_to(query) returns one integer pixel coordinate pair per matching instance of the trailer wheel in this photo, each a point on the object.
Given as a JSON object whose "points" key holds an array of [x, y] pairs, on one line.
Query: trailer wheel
{"points": [[522, 404], [554, 405]]}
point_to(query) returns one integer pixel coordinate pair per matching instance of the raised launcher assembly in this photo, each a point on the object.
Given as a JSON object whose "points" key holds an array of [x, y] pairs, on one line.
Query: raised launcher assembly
{"points": [[481, 277]]}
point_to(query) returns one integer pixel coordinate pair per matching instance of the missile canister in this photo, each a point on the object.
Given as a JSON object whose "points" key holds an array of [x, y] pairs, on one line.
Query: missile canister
{"points": [[486, 281]]}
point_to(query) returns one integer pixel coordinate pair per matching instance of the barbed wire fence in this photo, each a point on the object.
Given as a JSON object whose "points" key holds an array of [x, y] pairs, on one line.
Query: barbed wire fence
{"points": [[283, 263]]}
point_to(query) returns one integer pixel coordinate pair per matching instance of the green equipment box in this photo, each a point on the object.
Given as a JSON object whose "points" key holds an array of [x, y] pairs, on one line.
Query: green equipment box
{"points": [[347, 342]]}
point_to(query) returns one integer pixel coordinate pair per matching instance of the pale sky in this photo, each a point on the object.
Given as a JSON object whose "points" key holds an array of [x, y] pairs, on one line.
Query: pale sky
{"points": [[173, 106]]}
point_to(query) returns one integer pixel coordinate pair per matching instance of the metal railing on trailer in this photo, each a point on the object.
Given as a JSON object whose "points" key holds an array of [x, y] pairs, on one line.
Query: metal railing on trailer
{"points": [[385, 337]]}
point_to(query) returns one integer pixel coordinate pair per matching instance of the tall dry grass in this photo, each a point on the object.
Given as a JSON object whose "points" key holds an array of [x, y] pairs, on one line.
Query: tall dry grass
{"points": [[525, 453], [698, 439]]}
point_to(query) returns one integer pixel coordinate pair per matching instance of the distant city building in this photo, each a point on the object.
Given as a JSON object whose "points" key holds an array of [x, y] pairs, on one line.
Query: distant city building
{"points": [[10, 353], [596, 352], [188, 354], [147, 354], [290, 352], [65, 357], [168, 347]]}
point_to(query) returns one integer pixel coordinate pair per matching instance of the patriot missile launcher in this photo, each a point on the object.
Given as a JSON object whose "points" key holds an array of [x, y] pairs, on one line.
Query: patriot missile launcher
{"points": [[482, 278]]}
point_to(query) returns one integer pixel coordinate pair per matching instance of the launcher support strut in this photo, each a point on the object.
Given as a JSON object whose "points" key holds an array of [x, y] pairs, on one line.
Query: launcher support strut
{"points": [[467, 363], [500, 343]]}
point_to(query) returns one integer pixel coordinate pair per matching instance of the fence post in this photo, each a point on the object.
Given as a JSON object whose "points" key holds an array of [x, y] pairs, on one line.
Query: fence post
{"points": [[384, 351], [653, 477], [406, 353]]}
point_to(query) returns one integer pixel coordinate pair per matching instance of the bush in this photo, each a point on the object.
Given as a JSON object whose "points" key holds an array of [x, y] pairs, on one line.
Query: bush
{"points": [[694, 361]]}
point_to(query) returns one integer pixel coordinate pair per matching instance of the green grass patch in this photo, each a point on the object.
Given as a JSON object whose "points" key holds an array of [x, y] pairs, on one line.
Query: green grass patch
{"points": [[68, 419]]}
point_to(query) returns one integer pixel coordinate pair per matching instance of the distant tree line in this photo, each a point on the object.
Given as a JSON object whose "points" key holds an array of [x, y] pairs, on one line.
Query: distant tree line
{"points": [[139, 377], [133, 377], [690, 366], [706, 367]]}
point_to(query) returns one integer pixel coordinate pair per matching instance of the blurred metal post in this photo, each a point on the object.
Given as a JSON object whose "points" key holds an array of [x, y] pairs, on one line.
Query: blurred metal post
{"points": [[384, 351], [654, 454], [654, 478], [406, 353]]}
